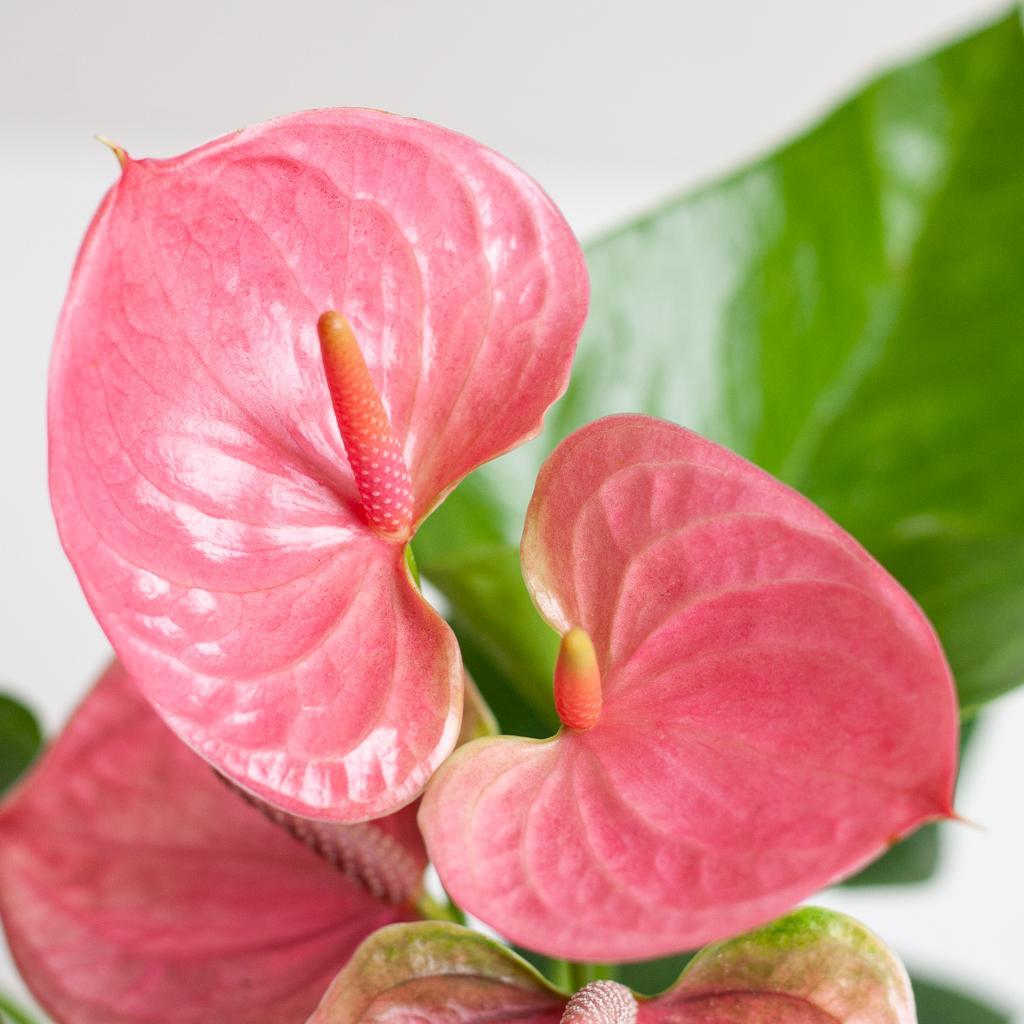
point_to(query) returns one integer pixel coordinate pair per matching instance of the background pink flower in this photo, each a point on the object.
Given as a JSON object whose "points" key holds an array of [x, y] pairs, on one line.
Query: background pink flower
{"points": [[137, 886]]}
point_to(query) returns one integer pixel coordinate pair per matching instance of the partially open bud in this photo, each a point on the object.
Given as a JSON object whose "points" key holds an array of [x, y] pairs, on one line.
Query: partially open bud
{"points": [[374, 452], [577, 682], [601, 1002]]}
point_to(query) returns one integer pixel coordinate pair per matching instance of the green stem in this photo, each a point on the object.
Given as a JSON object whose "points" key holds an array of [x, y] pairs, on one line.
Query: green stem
{"points": [[9, 1010], [436, 910], [410, 564], [582, 974]]}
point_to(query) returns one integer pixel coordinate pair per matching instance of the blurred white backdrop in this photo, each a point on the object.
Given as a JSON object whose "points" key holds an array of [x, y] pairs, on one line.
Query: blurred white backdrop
{"points": [[609, 106]]}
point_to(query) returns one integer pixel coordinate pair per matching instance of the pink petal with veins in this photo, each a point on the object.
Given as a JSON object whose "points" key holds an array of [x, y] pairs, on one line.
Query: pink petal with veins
{"points": [[198, 476], [136, 886], [775, 710]]}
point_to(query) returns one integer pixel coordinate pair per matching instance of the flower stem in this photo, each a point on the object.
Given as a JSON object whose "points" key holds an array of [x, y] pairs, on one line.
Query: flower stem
{"points": [[438, 910], [579, 974]]}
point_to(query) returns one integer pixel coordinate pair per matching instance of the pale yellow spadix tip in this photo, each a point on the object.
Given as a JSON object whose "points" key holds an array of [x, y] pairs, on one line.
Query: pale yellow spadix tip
{"points": [[577, 682], [122, 156]]}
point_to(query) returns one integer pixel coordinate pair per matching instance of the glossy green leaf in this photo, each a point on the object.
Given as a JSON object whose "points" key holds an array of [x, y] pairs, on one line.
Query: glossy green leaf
{"points": [[20, 740], [846, 313], [937, 1004]]}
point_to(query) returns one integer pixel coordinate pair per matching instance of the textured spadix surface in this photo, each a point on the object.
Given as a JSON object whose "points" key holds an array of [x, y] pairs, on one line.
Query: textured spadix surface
{"points": [[136, 886], [811, 967], [776, 709], [198, 475]]}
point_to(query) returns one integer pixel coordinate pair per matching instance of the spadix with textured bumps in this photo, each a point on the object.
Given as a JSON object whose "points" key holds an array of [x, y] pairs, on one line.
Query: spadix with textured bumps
{"points": [[774, 709], [278, 353]]}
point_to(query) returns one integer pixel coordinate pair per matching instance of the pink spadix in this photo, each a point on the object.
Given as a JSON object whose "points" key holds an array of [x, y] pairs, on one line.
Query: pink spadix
{"points": [[753, 706], [237, 521], [374, 452]]}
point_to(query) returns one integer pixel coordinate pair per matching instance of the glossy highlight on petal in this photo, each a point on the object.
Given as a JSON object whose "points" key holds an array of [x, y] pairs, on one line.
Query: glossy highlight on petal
{"points": [[202, 486], [135, 885], [775, 710]]}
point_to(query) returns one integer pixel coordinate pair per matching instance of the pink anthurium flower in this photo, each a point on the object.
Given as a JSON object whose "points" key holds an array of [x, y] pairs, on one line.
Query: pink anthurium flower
{"points": [[137, 886], [752, 707], [278, 353], [812, 967]]}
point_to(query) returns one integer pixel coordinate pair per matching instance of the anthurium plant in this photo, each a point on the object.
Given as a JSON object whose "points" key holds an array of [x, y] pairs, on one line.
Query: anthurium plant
{"points": [[279, 355]]}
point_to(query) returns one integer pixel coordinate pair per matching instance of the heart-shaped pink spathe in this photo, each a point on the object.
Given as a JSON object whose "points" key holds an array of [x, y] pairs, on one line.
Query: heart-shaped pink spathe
{"points": [[135, 885], [200, 482], [773, 709]]}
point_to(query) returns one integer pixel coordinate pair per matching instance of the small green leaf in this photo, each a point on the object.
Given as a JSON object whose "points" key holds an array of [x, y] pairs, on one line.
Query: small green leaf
{"points": [[937, 1004], [20, 740], [846, 313]]}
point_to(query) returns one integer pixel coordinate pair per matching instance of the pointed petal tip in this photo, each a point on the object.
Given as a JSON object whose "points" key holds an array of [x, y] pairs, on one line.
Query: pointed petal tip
{"points": [[954, 815], [122, 155]]}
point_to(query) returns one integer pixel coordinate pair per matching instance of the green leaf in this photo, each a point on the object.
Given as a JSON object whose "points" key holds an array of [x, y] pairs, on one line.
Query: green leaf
{"points": [[20, 740], [937, 1004], [650, 977], [847, 313], [12, 1013]]}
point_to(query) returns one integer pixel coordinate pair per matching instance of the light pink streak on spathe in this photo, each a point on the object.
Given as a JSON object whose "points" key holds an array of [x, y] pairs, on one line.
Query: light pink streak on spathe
{"points": [[776, 710], [198, 477], [136, 886]]}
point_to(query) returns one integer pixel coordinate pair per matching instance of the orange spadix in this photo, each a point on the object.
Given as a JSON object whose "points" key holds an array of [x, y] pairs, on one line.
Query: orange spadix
{"points": [[577, 682], [374, 452]]}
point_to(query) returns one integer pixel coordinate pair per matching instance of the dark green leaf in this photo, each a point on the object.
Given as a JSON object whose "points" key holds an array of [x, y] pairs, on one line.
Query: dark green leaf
{"points": [[650, 977], [848, 314], [913, 860], [20, 740], [937, 1004]]}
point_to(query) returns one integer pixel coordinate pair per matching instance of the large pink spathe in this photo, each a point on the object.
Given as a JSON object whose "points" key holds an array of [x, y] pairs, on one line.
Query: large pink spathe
{"points": [[198, 476], [136, 886], [776, 710]]}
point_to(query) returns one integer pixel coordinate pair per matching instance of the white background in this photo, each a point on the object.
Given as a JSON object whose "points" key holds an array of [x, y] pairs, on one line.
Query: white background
{"points": [[611, 107]]}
